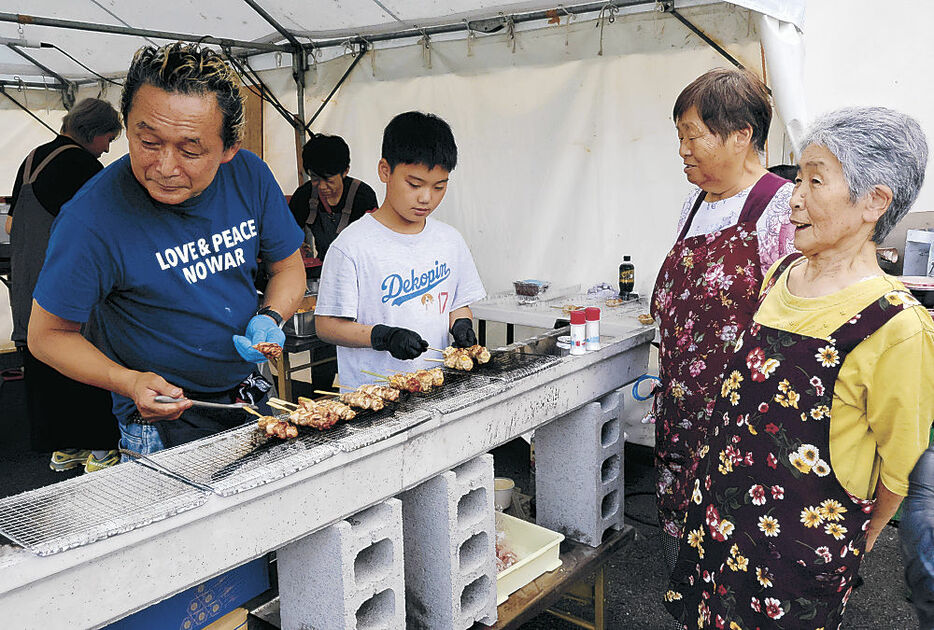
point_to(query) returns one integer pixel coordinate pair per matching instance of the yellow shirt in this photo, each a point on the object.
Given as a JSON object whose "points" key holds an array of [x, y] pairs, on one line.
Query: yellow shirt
{"points": [[883, 400]]}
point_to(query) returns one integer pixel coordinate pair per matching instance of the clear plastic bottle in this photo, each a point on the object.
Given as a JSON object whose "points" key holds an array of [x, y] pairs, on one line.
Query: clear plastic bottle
{"points": [[627, 278], [592, 317]]}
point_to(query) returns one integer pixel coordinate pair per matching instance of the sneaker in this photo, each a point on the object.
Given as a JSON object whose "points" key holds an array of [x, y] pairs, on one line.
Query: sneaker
{"points": [[68, 458], [93, 464]]}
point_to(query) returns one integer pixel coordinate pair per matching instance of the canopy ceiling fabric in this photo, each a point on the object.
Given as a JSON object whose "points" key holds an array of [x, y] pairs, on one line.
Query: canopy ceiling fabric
{"points": [[108, 54]]}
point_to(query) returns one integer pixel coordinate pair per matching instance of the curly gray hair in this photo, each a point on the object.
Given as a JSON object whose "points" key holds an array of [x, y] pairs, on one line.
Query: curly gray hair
{"points": [[875, 146]]}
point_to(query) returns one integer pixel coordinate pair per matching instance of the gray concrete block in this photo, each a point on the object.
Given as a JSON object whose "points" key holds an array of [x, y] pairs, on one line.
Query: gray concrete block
{"points": [[347, 576], [450, 537], [579, 471]]}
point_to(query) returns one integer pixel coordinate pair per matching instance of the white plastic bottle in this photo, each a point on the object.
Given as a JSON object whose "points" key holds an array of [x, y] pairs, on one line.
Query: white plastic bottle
{"points": [[578, 332]]}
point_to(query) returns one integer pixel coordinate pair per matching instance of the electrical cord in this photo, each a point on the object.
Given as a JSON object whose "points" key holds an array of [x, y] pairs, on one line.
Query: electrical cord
{"points": [[99, 76]]}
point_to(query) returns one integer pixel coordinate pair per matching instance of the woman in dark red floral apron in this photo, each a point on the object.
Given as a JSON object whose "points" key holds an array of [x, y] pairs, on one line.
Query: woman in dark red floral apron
{"points": [[773, 537], [705, 294]]}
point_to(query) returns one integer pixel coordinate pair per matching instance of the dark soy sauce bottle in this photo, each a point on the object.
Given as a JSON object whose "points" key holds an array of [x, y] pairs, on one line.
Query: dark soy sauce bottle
{"points": [[627, 278]]}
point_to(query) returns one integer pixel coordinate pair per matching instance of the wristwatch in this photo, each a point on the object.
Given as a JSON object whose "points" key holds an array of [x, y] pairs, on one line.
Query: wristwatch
{"points": [[267, 310]]}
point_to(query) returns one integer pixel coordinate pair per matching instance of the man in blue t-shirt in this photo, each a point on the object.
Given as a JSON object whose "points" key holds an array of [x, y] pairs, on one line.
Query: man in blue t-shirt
{"points": [[157, 253]]}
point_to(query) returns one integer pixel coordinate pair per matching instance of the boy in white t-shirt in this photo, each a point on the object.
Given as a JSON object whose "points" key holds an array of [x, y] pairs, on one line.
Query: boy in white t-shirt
{"points": [[396, 282]]}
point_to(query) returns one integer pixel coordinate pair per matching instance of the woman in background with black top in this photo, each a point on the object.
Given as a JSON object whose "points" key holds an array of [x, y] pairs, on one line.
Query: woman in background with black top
{"points": [[330, 200], [62, 412]]}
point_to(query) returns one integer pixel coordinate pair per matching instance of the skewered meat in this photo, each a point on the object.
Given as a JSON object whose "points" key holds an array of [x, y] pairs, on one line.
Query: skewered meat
{"points": [[406, 381], [437, 375], [269, 350], [388, 394], [362, 400], [343, 411], [458, 359], [278, 428], [479, 353], [317, 418], [426, 380]]}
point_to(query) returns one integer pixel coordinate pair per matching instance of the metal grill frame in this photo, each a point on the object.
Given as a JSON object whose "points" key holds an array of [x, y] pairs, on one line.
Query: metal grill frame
{"points": [[89, 508]]}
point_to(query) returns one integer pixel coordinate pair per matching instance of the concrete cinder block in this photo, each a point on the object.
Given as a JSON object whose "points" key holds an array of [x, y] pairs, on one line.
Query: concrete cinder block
{"points": [[450, 537], [347, 576], [579, 471]]}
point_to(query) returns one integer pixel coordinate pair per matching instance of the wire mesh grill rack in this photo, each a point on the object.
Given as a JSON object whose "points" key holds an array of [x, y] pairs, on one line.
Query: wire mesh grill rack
{"points": [[460, 390], [89, 508], [516, 365], [244, 458]]}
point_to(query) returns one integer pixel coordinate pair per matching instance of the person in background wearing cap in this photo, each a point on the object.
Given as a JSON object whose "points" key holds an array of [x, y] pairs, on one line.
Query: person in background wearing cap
{"points": [[330, 200]]}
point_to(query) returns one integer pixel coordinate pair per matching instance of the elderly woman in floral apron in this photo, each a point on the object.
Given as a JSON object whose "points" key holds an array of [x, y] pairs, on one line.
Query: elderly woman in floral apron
{"points": [[734, 225], [828, 398]]}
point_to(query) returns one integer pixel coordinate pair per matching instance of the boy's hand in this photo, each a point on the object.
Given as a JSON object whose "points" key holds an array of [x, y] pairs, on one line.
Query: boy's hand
{"points": [[401, 343], [463, 334]]}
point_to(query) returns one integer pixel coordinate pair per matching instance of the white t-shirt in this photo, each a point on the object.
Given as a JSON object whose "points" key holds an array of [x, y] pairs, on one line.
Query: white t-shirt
{"points": [[776, 235], [374, 275]]}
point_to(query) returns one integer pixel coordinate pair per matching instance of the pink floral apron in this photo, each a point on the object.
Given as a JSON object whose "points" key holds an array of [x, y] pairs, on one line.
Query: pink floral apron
{"points": [[705, 295], [772, 540]]}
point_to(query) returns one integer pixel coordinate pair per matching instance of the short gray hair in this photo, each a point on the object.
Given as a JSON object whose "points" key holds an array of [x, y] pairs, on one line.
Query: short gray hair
{"points": [[90, 118], [875, 146]]}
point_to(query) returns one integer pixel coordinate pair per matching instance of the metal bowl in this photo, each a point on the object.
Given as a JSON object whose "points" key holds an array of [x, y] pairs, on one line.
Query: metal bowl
{"points": [[300, 324]]}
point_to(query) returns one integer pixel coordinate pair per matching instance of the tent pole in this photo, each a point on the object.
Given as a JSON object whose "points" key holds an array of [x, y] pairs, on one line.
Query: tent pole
{"points": [[359, 58], [68, 88], [18, 18], [299, 65], [25, 109], [670, 8]]}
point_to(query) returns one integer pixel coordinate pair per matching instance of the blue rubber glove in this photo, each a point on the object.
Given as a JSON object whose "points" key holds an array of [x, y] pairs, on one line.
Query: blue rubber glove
{"points": [[261, 328]]}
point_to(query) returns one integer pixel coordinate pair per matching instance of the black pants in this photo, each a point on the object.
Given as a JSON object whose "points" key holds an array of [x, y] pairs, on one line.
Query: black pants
{"points": [[64, 413]]}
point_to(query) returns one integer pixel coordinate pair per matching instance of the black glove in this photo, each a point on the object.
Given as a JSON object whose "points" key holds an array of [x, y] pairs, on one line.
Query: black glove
{"points": [[401, 343], [463, 334]]}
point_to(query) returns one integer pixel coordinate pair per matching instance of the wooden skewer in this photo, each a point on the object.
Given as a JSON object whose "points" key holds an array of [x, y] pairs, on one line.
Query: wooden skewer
{"points": [[436, 350], [435, 360], [279, 407], [318, 391], [279, 401], [385, 378], [253, 411]]}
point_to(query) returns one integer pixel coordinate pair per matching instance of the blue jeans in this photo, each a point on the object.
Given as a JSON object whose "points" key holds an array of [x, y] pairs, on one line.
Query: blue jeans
{"points": [[916, 531], [138, 439]]}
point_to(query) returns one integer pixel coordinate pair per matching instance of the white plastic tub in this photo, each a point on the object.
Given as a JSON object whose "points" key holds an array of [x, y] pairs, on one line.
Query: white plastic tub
{"points": [[536, 547]]}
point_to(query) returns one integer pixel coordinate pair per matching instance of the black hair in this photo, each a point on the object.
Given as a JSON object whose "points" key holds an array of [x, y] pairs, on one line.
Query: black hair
{"points": [[785, 171], [188, 69], [325, 155], [417, 138]]}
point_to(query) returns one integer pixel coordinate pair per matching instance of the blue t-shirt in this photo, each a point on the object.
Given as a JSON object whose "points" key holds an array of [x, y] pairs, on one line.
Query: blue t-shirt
{"points": [[163, 288]]}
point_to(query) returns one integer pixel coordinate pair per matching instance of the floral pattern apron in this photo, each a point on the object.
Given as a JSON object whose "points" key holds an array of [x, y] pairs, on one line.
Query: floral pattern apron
{"points": [[772, 540], [705, 295]]}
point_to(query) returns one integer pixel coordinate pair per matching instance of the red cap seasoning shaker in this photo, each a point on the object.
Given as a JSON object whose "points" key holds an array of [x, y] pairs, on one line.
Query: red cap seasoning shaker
{"points": [[578, 332], [592, 328]]}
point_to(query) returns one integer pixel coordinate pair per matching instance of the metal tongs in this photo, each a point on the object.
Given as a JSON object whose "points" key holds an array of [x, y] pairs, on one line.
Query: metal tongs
{"points": [[201, 403]]}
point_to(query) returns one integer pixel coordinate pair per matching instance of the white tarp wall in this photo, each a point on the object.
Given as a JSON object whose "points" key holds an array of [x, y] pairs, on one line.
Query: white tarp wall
{"points": [[567, 159]]}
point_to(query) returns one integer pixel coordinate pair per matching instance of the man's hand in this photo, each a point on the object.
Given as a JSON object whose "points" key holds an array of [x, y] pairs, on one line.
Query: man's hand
{"points": [[145, 387], [401, 343], [261, 328], [463, 334]]}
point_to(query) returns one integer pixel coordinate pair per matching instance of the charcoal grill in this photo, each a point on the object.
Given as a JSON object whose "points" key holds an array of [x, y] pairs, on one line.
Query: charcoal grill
{"points": [[83, 510]]}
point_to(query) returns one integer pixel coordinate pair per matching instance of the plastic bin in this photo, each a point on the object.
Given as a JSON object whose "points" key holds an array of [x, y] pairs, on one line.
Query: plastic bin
{"points": [[536, 548]]}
